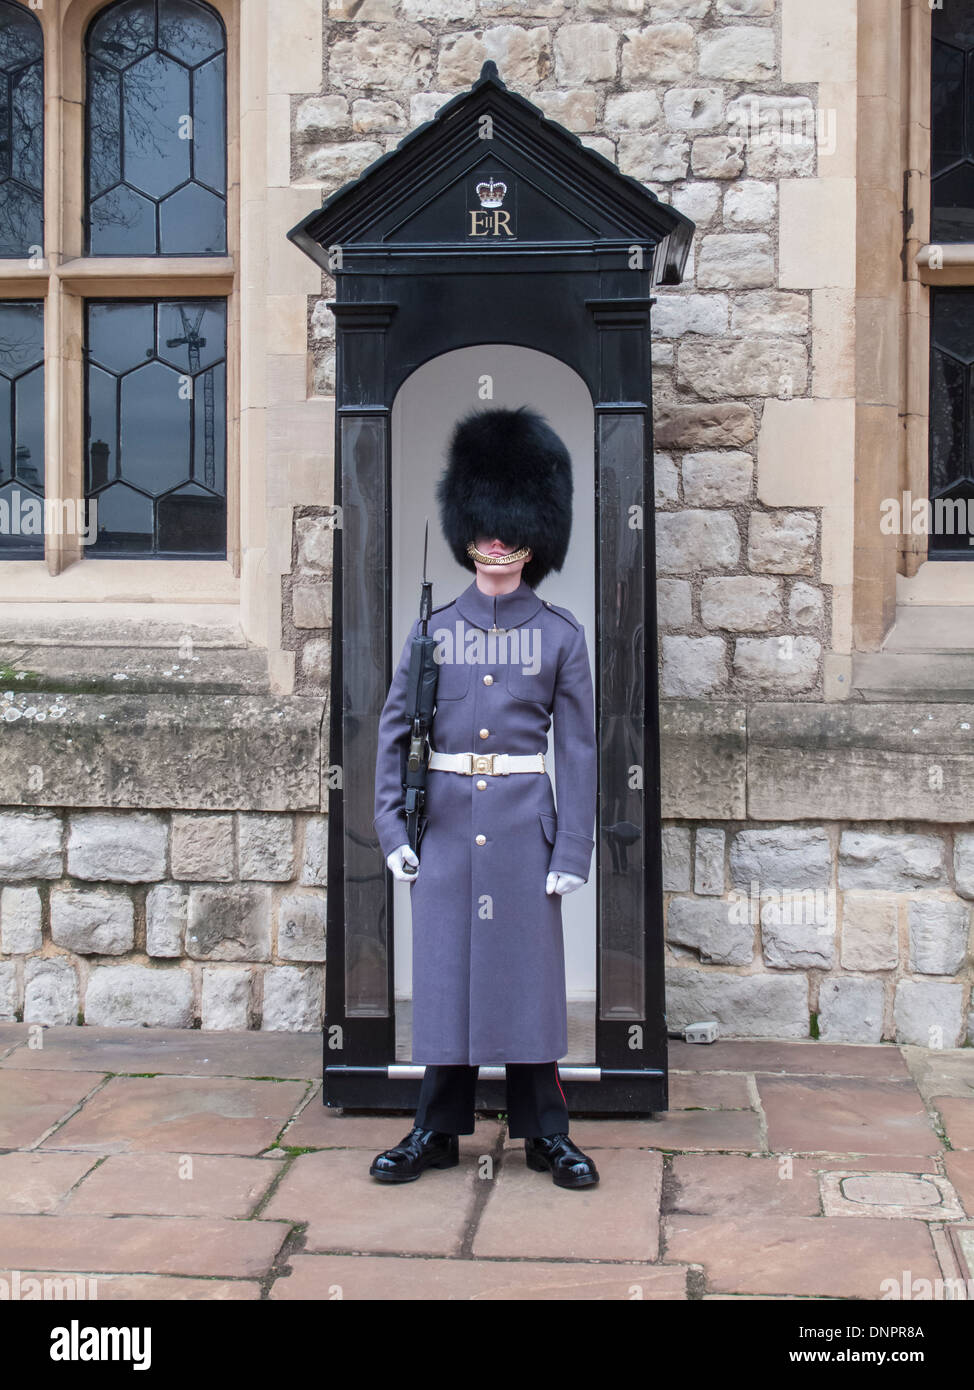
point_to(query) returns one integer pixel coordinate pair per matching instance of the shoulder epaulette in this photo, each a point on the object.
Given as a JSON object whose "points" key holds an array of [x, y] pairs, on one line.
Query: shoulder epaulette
{"points": [[562, 613]]}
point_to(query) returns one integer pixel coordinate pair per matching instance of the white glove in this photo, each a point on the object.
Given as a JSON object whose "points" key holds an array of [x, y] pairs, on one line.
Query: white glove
{"points": [[562, 883], [403, 854]]}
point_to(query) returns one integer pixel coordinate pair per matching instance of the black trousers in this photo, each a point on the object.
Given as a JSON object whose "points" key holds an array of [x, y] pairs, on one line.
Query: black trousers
{"points": [[536, 1103]]}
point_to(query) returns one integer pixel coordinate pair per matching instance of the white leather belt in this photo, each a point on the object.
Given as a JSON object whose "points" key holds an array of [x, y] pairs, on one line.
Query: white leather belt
{"points": [[493, 764]]}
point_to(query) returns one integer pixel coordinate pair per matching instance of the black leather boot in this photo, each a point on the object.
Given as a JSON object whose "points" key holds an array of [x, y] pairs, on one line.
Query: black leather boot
{"points": [[420, 1149], [555, 1153]]}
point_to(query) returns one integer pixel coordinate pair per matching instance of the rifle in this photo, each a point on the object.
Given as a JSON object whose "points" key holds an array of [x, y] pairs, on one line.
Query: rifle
{"points": [[420, 699]]}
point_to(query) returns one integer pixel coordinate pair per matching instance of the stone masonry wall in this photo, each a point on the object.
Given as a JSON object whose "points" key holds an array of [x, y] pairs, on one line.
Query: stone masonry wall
{"points": [[705, 102], [218, 921], [866, 927], [172, 920]]}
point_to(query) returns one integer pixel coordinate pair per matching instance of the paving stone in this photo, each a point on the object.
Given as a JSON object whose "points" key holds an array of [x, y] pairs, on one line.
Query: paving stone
{"points": [[817, 1255], [959, 1167], [726, 1185], [169, 1050], [37, 1181], [347, 1209], [162, 1244], [116, 1288], [30, 1105], [958, 1118], [528, 1216], [386, 1278], [827, 1115], [686, 1129], [718, 1092], [321, 1127], [183, 1184], [181, 1115], [940, 1071], [883, 1062]]}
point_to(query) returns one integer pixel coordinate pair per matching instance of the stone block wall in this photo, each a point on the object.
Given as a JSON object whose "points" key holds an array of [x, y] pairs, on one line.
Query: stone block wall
{"points": [[742, 114], [853, 933], [164, 919]]}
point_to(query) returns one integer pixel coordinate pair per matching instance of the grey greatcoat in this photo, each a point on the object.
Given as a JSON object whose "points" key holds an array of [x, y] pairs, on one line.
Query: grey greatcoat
{"points": [[488, 952]]}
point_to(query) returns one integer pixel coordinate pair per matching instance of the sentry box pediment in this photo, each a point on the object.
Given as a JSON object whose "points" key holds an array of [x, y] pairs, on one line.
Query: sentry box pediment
{"points": [[491, 176]]}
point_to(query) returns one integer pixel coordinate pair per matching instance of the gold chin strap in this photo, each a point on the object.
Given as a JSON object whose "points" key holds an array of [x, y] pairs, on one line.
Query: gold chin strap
{"points": [[515, 555]]}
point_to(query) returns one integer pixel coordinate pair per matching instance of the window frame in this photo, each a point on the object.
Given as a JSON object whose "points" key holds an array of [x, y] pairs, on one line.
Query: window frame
{"points": [[66, 277]]}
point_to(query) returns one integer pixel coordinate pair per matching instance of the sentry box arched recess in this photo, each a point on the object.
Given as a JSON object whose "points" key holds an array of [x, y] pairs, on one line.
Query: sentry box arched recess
{"points": [[491, 224]]}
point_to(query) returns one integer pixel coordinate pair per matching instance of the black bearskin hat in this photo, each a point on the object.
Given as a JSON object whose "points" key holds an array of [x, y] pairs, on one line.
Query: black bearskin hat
{"points": [[508, 475]]}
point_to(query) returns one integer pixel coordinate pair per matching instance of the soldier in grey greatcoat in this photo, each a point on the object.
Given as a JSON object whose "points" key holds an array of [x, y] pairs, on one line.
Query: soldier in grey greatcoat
{"points": [[496, 856]]}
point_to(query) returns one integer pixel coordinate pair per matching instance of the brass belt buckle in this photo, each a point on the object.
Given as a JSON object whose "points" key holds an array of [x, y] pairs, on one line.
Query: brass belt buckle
{"points": [[483, 762]]}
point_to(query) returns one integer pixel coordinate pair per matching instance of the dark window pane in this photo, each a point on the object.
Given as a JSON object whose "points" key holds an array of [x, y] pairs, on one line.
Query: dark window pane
{"points": [[21, 429], [157, 130], [951, 402], [104, 120], [192, 219], [21, 132], [191, 520], [953, 212], [124, 521], [952, 124], [209, 124], [156, 407]]}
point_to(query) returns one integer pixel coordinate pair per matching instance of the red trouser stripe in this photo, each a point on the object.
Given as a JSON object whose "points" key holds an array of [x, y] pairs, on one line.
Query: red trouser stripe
{"points": [[558, 1079]]}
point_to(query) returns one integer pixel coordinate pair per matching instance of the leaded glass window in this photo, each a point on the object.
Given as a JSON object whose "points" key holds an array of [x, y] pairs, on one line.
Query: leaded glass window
{"points": [[951, 412], [155, 400], [22, 425], [156, 130], [952, 125], [21, 132]]}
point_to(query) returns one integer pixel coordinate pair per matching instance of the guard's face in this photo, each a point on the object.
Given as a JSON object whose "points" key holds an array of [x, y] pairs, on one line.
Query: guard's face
{"points": [[494, 545]]}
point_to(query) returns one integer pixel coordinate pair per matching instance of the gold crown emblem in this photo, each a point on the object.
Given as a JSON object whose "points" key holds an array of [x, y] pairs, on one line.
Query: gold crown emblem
{"points": [[491, 193]]}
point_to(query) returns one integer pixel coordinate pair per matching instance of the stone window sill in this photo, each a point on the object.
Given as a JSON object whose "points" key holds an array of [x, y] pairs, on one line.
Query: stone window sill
{"points": [[119, 648]]}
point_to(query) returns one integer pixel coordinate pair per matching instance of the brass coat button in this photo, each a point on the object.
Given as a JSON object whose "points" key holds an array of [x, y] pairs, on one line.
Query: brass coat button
{"points": [[488, 680], [481, 785], [485, 733], [481, 839]]}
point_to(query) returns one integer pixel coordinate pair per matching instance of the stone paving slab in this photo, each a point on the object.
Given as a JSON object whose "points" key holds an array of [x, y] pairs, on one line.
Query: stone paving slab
{"points": [[320, 1127], [30, 1105], [176, 1051], [959, 1167], [845, 1115], [184, 1184], [348, 1210], [37, 1182], [941, 1071], [378, 1277], [712, 1091], [529, 1217], [958, 1119], [882, 1061], [677, 1130], [818, 1256], [106, 1288], [727, 1185], [180, 1114], [141, 1244]]}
